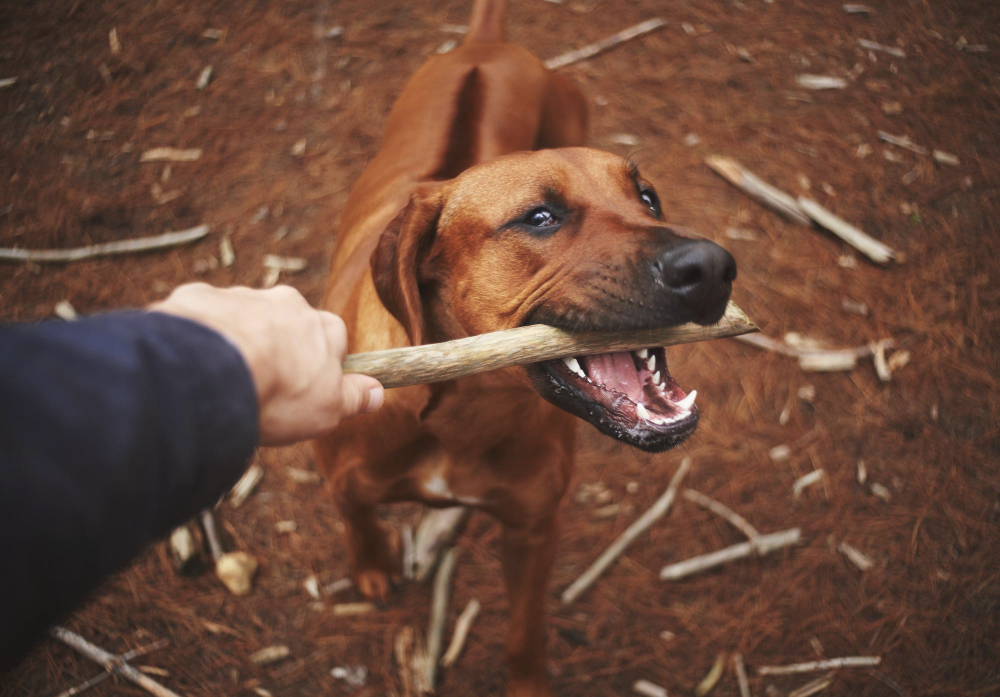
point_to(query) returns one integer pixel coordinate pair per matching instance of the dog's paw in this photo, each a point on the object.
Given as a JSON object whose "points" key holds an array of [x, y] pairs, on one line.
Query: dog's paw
{"points": [[374, 584]]}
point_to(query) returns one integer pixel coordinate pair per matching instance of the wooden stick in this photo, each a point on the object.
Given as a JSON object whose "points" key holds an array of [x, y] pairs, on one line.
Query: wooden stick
{"points": [[439, 612], [730, 516], [712, 678], [133, 246], [615, 550], [902, 142], [408, 552], [450, 360], [741, 674], [245, 486], [765, 544], [807, 480], [869, 246], [827, 664], [604, 44], [101, 677], [211, 534], [438, 529], [756, 188], [110, 662], [462, 626], [811, 688]]}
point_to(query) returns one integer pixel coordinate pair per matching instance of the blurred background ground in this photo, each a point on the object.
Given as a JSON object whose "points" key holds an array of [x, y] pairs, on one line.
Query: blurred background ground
{"points": [[720, 78]]}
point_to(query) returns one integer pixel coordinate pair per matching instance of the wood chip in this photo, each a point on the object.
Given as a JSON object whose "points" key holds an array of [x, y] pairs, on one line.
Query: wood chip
{"points": [[226, 254], [739, 666], [236, 570], [245, 486], [271, 654], [623, 139], [114, 41], [862, 472], [902, 142], [204, 78], [170, 155], [820, 82], [854, 9], [183, 548], [462, 626], [348, 609], [881, 491], [285, 527], [856, 556], [7, 82], [806, 481], [709, 682], [299, 148], [439, 613], [946, 158], [812, 688], [875, 46], [301, 476], [284, 264], [648, 689], [64, 310]]}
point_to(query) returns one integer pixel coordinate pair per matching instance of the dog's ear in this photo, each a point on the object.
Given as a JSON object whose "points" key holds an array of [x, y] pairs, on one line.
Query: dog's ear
{"points": [[397, 258]]}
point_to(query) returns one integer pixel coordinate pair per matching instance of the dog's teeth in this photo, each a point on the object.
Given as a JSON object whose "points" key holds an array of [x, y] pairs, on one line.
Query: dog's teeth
{"points": [[651, 363], [574, 365], [641, 412], [688, 402], [663, 386], [642, 353], [656, 378]]}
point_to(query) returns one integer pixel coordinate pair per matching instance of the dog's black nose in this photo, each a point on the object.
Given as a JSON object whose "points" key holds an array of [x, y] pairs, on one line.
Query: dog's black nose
{"points": [[701, 274]]}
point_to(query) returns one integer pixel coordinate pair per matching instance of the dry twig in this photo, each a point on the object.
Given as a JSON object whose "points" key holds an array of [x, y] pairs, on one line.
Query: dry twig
{"points": [[756, 188], [604, 44], [245, 486], [741, 674], [811, 688], [111, 663], [170, 155], [867, 245], [826, 664], [648, 689], [462, 626], [439, 612], [730, 516], [437, 530], [132, 246], [101, 677], [765, 544], [856, 556], [615, 550]]}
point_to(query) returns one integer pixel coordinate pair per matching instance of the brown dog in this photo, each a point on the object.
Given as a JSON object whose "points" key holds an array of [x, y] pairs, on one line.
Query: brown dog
{"points": [[468, 222]]}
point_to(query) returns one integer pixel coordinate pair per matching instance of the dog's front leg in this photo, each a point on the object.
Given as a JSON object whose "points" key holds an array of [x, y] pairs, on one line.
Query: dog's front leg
{"points": [[528, 554]]}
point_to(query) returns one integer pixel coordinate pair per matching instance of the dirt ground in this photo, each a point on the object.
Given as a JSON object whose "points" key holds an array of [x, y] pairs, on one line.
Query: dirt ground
{"points": [[720, 78]]}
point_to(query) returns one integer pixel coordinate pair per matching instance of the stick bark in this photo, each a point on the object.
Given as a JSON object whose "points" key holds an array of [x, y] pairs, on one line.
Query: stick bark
{"points": [[655, 512], [110, 662], [450, 360], [604, 44], [132, 246]]}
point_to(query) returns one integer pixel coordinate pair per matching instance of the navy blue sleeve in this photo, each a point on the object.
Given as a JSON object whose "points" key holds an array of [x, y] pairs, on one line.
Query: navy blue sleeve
{"points": [[113, 429]]}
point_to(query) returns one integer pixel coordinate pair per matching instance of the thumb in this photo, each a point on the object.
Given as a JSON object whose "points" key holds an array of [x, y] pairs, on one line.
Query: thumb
{"points": [[361, 394]]}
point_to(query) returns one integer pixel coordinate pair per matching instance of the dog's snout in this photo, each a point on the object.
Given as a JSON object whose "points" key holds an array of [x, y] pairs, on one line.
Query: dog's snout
{"points": [[701, 274]]}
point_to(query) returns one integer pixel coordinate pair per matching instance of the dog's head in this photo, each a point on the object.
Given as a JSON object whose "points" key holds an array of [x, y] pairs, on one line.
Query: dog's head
{"points": [[573, 238]]}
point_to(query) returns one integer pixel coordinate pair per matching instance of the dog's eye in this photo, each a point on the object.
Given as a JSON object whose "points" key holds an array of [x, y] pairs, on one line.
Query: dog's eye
{"points": [[540, 217], [650, 198]]}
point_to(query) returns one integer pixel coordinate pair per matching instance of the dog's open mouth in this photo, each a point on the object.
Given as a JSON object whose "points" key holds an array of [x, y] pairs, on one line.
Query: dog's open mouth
{"points": [[628, 395]]}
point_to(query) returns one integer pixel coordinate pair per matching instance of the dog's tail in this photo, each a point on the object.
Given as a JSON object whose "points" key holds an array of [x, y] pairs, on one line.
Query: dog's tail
{"points": [[488, 23]]}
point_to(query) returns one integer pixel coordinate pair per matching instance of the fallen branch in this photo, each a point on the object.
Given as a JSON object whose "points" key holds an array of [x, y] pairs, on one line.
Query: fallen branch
{"points": [[132, 246], [111, 663], [101, 677], [604, 44], [756, 188], [462, 626], [439, 612], [765, 544], [615, 550], [729, 515], [531, 344], [827, 664], [867, 245]]}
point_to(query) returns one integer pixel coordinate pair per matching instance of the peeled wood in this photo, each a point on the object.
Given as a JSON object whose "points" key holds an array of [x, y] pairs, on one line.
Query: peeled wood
{"points": [[869, 246], [132, 246], [760, 546], [604, 44], [756, 188], [655, 512], [828, 664], [110, 662], [450, 360]]}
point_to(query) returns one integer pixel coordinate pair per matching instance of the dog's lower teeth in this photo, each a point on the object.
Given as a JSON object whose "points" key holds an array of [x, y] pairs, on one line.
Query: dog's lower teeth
{"points": [[685, 404], [574, 365], [651, 363], [641, 412], [656, 378]]}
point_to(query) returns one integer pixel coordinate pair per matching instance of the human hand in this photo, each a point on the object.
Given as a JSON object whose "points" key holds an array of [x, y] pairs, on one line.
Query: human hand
{"points": [[294, 352]]}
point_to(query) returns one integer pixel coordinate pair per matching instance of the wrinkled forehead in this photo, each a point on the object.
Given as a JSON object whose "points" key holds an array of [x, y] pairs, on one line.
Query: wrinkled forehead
{"points": [[507, 185]]}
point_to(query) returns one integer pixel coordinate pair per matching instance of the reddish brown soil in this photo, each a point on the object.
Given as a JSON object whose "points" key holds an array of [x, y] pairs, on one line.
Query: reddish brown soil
{"points": [[70, 174]]}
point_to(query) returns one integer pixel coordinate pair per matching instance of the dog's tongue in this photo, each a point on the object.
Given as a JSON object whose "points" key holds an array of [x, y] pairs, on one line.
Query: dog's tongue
{"points": [[616, 371]]}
